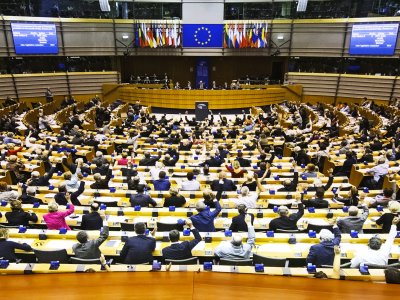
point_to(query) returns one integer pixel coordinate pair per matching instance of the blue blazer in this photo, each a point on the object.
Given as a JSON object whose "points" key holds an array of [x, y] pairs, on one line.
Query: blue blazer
{"points": [[182, 250], [138, 250], [323, 253]]}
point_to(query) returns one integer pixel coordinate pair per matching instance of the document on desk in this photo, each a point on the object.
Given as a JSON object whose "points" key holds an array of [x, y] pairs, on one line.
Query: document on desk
{"points": [[113, 243], [49, 196], [158, 245], [21, 241], [169, 220], [60, 244], [107, 199]]}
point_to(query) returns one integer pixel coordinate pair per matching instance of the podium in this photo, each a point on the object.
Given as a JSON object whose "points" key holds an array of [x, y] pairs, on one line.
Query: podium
{"points": [[201, 110]]}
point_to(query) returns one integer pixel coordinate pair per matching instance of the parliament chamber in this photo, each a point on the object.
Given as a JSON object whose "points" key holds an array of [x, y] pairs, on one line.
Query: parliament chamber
{"points": [[199, 149]]}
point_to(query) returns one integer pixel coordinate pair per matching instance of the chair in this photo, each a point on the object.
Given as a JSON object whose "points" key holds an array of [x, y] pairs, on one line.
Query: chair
{"points": [[318, 228], [46, 256], [235, 262], [270, 261], [83, 261], [374, 266], [108, 203], [168, 226], [188, 261], [127, 226]]}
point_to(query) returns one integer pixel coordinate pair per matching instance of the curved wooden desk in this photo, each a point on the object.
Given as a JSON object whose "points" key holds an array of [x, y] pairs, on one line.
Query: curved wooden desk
{"points": [[185, 99]]}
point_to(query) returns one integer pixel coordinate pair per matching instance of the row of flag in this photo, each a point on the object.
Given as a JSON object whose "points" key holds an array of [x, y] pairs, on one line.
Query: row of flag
{"points": [[157, 35], [250, 35]]}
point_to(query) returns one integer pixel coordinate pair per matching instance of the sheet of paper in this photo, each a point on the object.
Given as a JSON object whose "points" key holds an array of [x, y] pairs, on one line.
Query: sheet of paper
{"points": [[200, 246], [60, 244]]}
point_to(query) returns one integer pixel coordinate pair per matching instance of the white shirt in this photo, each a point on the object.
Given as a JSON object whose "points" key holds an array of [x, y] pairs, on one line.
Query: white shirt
{"points": [[376, 257], [190, 185], [379, 170], [249, 200]]}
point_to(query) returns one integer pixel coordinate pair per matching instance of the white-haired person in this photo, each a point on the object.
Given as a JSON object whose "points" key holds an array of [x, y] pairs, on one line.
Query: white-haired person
{"points": [[7, 248], [377, 252], [235, 248], [249, 198], [386, 219], [353, 221], [55, 219], [287, 221], [37, 180], [323, 253], [378, 172]]}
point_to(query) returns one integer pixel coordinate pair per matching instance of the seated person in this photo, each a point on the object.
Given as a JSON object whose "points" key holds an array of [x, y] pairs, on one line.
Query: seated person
{"points": [[238, 222], [311, 171], [100, 183], [204, 219], [56, 219], [387, 218], [17, 216], [222, 183], [392, 275], [353, 221], [123, 161], [175, 199], [322, 253], [383, 200], [62, 191], [286, 221], [235, 249], [139, 249], [377, 253], [191, 184], [7, 248], [37, 180], [181, 250], [162, 184], [318, 201], [89, 249], [92, 220], [142, 199], [28, 195]]}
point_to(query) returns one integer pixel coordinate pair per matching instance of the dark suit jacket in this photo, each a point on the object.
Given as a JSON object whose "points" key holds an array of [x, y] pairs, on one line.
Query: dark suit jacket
{"points": [[177, 201], [317, 203], [61, 200], [149, 161], [182, 250], [243, 162], [91, 221], [213, 162], [103, 183], [227, 186], [138, 250], [43, 180], [293, 185], [16, 218], [143, 200], [239, 224], [323, 253]]}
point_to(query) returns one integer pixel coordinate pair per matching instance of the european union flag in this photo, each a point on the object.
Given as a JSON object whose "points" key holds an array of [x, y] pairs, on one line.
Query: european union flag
{"points": [[203, 35]]}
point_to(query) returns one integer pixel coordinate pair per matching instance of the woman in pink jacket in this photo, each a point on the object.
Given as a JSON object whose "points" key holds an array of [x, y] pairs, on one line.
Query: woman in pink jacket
{"points": [[56, 219]]}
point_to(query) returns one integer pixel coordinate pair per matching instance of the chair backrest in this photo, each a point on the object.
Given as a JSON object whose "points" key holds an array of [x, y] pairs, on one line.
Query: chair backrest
{"points": [[168, 226], [108, 203], [269, 261], [47, 256], [76, 260], [8, 226], [127, 226], [235, 262], [318, 228], [187, 261]]}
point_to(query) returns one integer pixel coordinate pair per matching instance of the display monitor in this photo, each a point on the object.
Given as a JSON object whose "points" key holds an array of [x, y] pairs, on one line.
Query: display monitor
{"points": [[34, 38], [373, 39]]}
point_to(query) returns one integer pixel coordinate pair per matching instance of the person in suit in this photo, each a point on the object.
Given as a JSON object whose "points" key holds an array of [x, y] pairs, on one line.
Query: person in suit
{"points": [[148, 160], [28, 195], [318, 201], [243, 161], [37, 180], [101, 183], [7, 248], [162, 183], [92, 220], [238, 222], [286, 221], [222, 183], [204, 220], [139, 249], [17, 216], [213, 161], [386, 219], [291, 185], [141, 198], [181, 250], [175, 199], [353, 221], [89, 249], [62, 191], [323, 253]]}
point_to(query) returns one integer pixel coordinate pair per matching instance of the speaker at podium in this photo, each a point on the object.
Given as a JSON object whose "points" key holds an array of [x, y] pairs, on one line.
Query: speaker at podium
{"points": [[201, 110]]}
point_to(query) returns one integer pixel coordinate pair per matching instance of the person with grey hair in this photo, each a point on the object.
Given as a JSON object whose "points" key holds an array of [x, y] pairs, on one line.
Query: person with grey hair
{"points": [[204, 220], [249, 198], [236, 249], [89, 249], [28, 195], [37, 180], [377, 172], [323, 253], [353, 221], [285, 220], [376, 253]]}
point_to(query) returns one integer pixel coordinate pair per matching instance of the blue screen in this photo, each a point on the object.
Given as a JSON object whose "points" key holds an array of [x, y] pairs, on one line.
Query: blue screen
{"points": [[34, 38], [373, 39]]}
